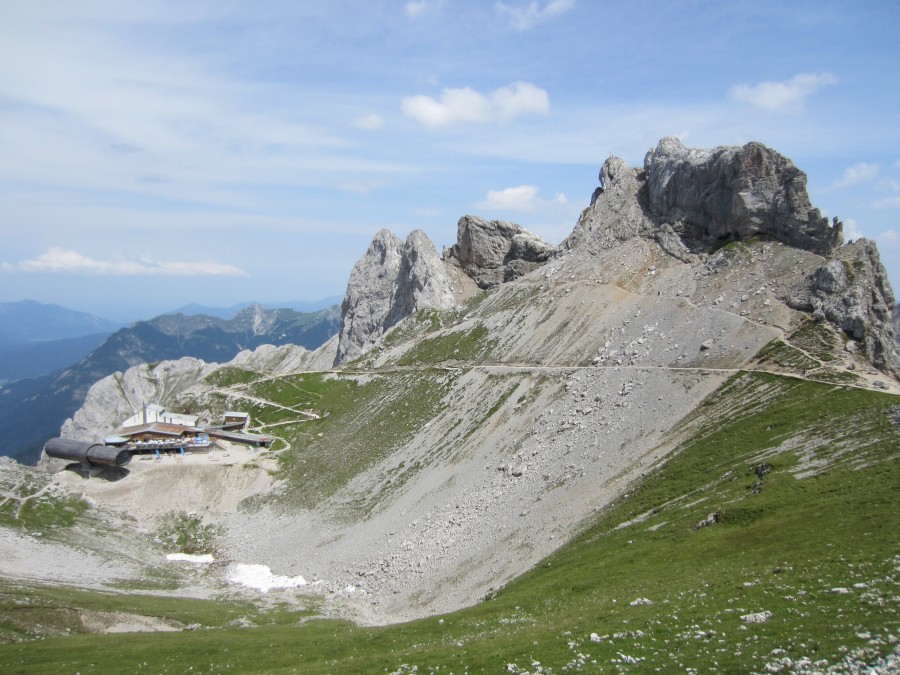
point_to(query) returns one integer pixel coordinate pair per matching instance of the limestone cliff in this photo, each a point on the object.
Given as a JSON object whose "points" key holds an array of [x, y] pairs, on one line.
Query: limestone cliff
{"points": [[493, 252], [392, 280], [694, 201]]}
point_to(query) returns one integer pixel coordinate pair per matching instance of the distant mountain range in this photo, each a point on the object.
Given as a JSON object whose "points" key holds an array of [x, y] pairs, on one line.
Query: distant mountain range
{"points": [[33, 359], [33, 410], [229, 312], [29, 321]]}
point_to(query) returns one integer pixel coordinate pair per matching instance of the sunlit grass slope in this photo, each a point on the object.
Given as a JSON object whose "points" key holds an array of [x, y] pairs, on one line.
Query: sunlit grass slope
{"points": [[799, 564]]}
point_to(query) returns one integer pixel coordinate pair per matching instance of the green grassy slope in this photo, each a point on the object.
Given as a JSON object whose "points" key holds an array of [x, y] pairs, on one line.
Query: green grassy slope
{"points": [[803, 479]]}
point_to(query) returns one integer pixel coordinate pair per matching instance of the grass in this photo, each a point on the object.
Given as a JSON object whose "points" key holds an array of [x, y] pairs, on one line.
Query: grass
{"points": [[817, 339], [824, 517], [782, 356], [36, 611], [457, 346], [28, 504], [366, 421]]}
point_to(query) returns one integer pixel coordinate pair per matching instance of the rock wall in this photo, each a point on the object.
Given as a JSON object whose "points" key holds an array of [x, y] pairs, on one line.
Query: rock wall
{"points": [[695, 200], [851, 290], [392, 280], [494, 252], [734, 193], [117, 396]]}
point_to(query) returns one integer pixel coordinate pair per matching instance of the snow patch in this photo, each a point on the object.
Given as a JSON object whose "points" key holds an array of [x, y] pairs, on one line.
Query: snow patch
{"points": [[261, 578]]}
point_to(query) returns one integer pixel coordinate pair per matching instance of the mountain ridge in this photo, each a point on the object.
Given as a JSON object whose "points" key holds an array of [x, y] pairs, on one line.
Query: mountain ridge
{"points": [[29, 321]]}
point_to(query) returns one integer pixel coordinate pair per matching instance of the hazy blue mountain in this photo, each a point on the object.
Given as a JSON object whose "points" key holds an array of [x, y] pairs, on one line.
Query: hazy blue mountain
{"points": [[30, 321], [33, 410], [34, 359], [304, 306]]}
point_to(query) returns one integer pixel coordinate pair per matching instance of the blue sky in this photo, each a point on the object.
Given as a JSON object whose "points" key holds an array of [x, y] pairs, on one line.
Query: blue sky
{"points": [[158, 153]]}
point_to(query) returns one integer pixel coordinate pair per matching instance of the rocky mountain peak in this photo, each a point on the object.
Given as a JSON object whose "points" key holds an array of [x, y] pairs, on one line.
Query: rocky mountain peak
{"points": [[689, 202], [392, 280], [734, 193], [694, 200]]}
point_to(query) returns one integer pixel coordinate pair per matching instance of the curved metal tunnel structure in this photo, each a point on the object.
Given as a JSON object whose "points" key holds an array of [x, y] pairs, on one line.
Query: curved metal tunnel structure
{"points": [[89, 454]]}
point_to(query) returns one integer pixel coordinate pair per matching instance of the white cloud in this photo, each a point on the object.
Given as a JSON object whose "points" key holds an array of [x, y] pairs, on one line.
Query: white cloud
{"points": [[371, 122], [521, 198], [523, 17], [858, 173], [852, 231], [889, 239], [415, 8], [782, 96], [460, 106], [59, 261], [888, 203]]}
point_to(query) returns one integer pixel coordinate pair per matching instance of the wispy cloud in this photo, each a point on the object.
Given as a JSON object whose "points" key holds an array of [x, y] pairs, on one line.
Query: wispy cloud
{"points": [[371, 122], [851, 230], [416, 8], [59, 261], [462, 106], [887, 203], [862, 172], [521, 198], [889, 239], [782, 96], [524, 17]]}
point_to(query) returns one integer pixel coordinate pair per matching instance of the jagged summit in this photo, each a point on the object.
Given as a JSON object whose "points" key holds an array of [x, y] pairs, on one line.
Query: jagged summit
{"points": [[392, 280], [687, 204], [695, 200]]}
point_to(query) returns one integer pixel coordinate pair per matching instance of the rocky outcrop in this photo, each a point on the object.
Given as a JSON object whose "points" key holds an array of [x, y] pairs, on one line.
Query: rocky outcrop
{"points": [[118, 396], [493, 252], [851, 290], [895, 322], [615, 214], [693, 201], [392, 280], [704, 198], [734, 193]]}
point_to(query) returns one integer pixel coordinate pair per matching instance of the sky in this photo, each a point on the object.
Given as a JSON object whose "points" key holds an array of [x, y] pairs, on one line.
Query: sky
{"points": [[155, 154]]}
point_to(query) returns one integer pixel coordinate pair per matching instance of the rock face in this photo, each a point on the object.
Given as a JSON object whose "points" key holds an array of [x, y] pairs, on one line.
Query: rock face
{"points": [[851, 290], [391, 281], [734, 193], [493, 252], [895, 321], [116, 397], [693, 200]]}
